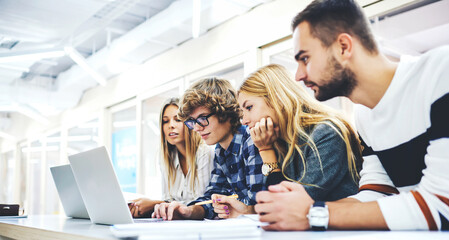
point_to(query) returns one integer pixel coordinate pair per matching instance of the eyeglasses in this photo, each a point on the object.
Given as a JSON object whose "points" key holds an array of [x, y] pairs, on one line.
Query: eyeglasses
{"points": [[203, 121]]}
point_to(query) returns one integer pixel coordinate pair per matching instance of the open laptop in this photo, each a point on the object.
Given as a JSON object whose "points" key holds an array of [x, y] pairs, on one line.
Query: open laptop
{"points": [[100, 189], [68, 192]]}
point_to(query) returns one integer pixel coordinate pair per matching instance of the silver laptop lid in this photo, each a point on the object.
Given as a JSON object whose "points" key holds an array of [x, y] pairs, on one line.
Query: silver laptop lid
{"points": [[68, 192], [99, 187]]}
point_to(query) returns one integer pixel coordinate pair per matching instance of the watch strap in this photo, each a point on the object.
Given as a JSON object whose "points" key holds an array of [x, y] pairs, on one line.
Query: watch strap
{"points": [[319, 204]]}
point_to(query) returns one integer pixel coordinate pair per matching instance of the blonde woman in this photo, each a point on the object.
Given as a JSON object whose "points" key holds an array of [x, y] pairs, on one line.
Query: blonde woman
{"points": [[299, 138], [186, 162]]}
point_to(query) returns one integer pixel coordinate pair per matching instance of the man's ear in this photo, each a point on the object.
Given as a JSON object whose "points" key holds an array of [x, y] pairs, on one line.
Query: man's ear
{"points": [[344, 46]]}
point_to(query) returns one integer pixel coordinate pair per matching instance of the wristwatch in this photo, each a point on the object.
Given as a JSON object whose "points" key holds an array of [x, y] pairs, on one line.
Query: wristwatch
{"points": [[318, 216], [267, 168]]}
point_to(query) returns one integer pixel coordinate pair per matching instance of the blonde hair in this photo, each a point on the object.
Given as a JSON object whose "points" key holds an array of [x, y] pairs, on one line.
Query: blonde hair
{"points": [[297, 112], [215, 94], [192, 142]]}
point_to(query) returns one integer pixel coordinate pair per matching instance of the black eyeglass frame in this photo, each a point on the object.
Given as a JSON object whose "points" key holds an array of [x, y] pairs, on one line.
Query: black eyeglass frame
{"points": [[193, 121]]}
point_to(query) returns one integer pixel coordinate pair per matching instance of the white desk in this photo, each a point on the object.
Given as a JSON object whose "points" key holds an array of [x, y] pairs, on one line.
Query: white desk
{"points": [[60, 227], [52, 227]]}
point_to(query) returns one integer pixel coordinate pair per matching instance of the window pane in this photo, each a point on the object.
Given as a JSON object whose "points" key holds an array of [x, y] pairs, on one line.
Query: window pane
{"points": [[233, 74], [7, 166], [35, 163], [52, 155], [124, 147], [23, 176], [82, 137]]}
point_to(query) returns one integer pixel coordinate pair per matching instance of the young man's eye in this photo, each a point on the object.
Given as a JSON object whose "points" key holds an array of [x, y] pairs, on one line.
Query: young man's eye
{"points": [[249, 107]]}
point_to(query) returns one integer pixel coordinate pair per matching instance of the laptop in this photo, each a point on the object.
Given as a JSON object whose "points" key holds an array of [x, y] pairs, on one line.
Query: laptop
{"points": [[68, 192], [100, 189]]}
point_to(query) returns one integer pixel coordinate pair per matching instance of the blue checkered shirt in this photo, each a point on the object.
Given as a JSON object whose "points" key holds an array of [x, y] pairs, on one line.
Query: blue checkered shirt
{"points": [[237, 170]]}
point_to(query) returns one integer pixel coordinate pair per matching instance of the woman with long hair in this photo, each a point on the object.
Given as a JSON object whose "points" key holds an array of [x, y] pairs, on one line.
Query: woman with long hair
{"points": [[186, 162], [299, 138]]}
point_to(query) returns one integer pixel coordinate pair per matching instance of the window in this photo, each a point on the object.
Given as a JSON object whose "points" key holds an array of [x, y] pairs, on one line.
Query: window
{"points": [[23, 175], [7, 166], [233, 74], [82, 137], [52, 159], [124, 147], [34, 181]]}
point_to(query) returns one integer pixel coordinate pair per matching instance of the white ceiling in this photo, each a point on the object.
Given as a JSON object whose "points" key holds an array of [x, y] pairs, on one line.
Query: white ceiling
{"points": [[108, 36]]}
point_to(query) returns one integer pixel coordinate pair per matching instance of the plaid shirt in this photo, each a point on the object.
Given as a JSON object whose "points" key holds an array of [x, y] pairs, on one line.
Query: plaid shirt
{"points": [[237, 170]]}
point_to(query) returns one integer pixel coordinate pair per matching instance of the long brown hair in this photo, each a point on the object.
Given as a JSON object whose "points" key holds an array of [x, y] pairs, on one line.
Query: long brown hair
{"points": [[297, 111], [192, 142]]}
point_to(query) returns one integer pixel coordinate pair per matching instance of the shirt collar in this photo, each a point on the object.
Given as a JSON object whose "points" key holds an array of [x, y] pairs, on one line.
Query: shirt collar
{"points": [[234, 146], [175, 159]]}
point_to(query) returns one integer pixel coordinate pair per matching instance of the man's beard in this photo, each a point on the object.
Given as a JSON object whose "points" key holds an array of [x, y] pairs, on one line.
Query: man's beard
{"points": [[340, 81]]}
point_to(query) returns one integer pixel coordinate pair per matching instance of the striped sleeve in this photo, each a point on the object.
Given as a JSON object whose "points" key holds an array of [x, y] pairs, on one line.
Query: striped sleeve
{"points": [[374, 181], [428, 204]]}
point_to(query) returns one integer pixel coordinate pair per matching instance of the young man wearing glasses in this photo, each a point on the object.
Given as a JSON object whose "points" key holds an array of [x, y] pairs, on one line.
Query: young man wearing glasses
{"points": [[210, 108]]}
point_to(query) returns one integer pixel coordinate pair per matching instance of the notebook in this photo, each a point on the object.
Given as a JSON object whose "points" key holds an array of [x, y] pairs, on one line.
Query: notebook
{"points": [[241, 227]]}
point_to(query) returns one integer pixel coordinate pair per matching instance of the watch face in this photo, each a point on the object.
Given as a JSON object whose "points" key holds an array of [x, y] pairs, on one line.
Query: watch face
{"points": [[265, 169], [318, 216]]}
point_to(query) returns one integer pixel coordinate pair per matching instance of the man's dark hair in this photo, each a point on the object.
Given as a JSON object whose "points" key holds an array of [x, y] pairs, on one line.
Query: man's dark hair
{"points": [[329, 18]]}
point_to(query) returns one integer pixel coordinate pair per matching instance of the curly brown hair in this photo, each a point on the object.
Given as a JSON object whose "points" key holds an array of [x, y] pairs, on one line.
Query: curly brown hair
{"points": [[217, 95]]}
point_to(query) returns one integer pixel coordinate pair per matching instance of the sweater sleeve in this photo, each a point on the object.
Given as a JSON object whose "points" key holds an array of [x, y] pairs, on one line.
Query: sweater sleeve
{"points": [[427, 205], [325, 170], [374, 181]]}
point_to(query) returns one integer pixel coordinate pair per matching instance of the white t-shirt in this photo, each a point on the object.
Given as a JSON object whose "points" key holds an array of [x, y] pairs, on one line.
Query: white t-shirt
{"points": [[406, 158], [181, 190]]}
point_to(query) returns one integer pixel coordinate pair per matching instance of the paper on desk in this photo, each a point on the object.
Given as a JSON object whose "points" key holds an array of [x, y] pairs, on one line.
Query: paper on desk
{"points": [[190, 229], [12, 217]]}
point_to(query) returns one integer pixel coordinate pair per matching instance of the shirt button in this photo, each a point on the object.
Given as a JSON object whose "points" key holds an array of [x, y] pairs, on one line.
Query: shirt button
{"points": [[236, 189]]}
